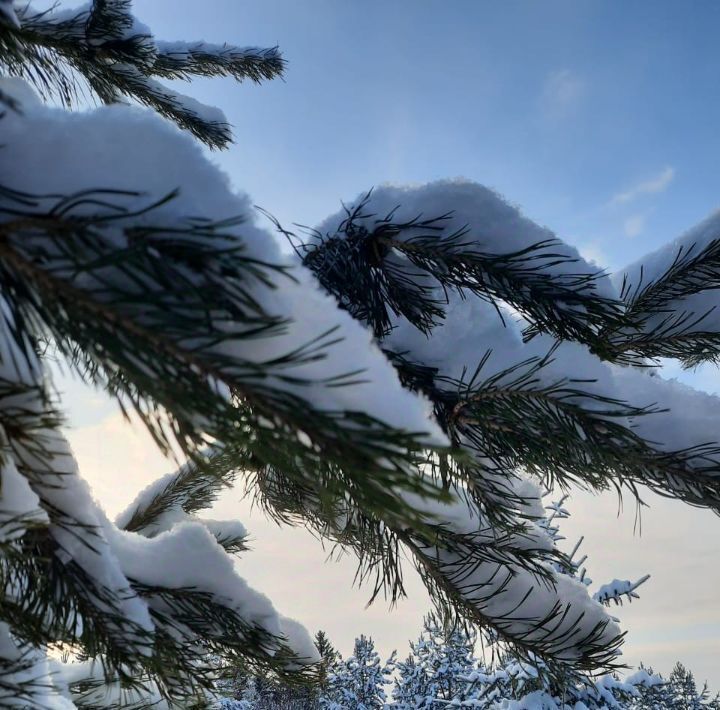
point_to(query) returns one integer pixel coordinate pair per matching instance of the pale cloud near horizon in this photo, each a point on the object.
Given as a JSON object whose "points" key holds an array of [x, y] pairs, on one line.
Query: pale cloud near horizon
{"points": [[561, 92], [634, 225], [656, 184]]}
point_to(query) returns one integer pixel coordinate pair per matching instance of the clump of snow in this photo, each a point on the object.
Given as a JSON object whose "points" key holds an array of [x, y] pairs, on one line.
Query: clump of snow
{"points": [[146, 497], [29, 677], [62, 489], [19, 504], [125, 25], [495, 226], [653, 265], [99, 691], [701, 307], [187, 104], [642, 677], [299, 640], [619, 589], [188, 556]]}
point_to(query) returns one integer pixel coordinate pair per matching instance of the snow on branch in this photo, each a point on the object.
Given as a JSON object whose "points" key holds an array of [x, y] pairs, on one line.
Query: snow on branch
{"points": [[672, 299], [414, 244], [556, 409], [103, 47], [618, 589], [285, 358], [175, 497], [550, 615], [190, 488], [181, 60]]}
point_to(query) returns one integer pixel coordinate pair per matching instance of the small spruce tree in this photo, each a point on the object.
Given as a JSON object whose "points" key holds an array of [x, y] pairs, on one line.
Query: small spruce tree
{"points": [[328, 657], [358, 682], [411, 686], [684, 691], [653, 695], [434, 674]]}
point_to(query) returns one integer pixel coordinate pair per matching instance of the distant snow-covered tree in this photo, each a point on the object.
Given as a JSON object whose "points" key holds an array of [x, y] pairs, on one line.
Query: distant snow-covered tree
{"points": [[523, 685], [411, 686], [653, 696], [434, 673], [452, 657], [232, 704], [358, 682], [328, 656], [684, 692]]}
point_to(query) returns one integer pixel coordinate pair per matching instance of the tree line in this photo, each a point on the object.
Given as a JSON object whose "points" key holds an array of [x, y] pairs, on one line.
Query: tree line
{"points": [[450, 668]]}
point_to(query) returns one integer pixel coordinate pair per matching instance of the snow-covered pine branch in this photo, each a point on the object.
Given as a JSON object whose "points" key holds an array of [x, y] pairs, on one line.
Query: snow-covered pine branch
{"points": [[415, 264], [460, 322], [619, 590], [568, 396], [161, 290], [101, 46], [672, 299]]}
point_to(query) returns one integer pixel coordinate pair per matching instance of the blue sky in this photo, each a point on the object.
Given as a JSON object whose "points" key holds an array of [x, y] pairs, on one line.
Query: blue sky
{"points": [[599, 119], [560, 106]]}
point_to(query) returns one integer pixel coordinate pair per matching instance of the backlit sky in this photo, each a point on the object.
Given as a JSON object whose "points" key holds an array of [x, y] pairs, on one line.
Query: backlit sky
{"points": [[600, 119]]}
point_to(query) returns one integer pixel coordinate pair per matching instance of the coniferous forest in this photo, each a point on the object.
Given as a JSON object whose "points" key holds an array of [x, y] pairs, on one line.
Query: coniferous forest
{"points": [[442, 671]]}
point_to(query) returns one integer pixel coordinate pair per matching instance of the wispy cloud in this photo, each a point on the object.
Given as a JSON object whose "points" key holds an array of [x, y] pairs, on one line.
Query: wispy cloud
{"points": [[634, 225], [655, 184], [561, 92]]}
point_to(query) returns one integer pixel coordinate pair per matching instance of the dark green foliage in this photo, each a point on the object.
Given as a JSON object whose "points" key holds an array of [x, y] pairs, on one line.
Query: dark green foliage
{"points": [[103, 49], [328, 656], [655, 328], [375, 272]]}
